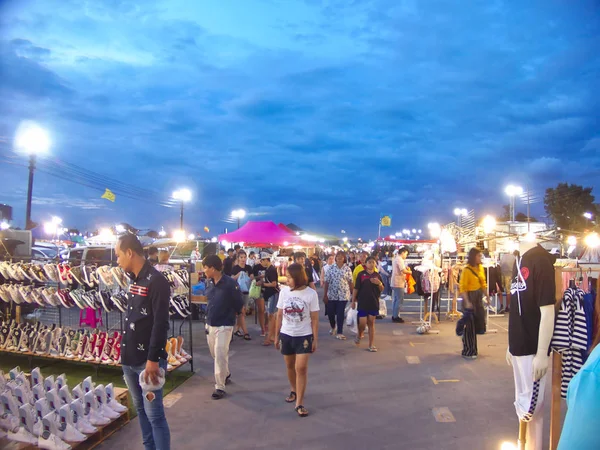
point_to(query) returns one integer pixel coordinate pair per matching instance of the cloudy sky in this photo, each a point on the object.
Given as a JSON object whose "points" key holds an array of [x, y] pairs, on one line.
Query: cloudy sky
{"points": [[321, 113]]}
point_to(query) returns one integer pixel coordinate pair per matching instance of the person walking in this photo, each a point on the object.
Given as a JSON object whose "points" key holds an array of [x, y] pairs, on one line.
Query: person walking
{"points": [[243, 274], [385, 276], [225, 302], [399, 273], [300, 258], [270, 285], [338, 291], [329, 262], [367, 290], [297, 332], [229, 262], [144, 340], [472, 289]]}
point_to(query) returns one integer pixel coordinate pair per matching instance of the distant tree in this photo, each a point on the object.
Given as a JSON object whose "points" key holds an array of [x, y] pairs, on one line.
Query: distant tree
{"points": [[519, 216], [567, 203]]}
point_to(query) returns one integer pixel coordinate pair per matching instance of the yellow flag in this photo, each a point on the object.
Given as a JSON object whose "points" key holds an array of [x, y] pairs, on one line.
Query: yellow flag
{"points": [[386, 221], [109, 195]]}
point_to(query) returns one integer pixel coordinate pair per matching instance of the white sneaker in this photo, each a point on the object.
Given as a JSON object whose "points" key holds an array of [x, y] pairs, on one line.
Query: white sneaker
{"points": [[24, 397], [49, 383], [8, 422], [38, 392], [42, 408], [93, 414], [111, 401], [27, 417], [79, 420], [22, 435], [106, 410], [10, 404], [53, 400], [61, 381], [87, 385], [49, 438], [78, 392], [65, 395], [332, 331], [66, 427]]}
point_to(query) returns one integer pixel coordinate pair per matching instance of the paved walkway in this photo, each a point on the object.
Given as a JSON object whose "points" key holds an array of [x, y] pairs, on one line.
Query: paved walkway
{"points": [[357, 399]]}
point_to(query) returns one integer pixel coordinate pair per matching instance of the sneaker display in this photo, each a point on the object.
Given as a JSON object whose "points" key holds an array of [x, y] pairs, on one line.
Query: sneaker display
{"points": [[93, 413], [66, 428], [9, 404], [42, 408], [38, 392], [103, 407], [120, 277], [51, 272], [120, 301], [28, 419], [24, 396], [49, 383], [79, 419], [49, 438], [87, 385], [78, 392], [9, 423], [111, 400]]}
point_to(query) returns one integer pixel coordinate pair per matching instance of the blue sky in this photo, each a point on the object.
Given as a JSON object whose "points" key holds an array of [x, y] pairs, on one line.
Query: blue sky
{"points": [[322, 113]]}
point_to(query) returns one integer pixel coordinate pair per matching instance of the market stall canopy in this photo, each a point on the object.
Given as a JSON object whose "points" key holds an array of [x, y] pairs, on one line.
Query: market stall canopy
{"points": [[287, 229], [408, 241], [261, 234]]}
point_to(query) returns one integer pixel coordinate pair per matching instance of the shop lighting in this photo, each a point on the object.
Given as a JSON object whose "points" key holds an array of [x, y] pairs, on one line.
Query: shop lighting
{"points": [[489, 224], [286, 243], [120, 228], [225, 243], [191, 236], [434, 229], [592, 240], [105, 233], [162, 233], [179, 235], [345, 239], [529, 237], [213, 240], [572, 240], [508, 446], [392, 236], [588, 215], [419, 231]]}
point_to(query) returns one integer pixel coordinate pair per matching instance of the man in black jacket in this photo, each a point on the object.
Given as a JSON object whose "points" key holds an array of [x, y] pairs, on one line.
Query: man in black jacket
{"points": [[144, 339], [225, 302]]}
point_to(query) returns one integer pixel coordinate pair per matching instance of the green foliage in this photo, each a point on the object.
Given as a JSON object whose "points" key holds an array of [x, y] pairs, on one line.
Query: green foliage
{"points": [[566, 205]]}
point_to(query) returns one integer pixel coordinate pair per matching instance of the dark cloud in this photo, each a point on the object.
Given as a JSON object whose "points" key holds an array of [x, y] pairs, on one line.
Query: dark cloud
{"points": [[292, 112]]}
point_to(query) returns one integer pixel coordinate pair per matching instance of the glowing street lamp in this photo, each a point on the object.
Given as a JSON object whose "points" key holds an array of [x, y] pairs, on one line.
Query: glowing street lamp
{"points": [[183, 195], [179, 236], [162, 232], [191, 236], [32, 140], [513, 191], [592, 240], [489, 224], [4, 225], [238, 214], [434, 229]]}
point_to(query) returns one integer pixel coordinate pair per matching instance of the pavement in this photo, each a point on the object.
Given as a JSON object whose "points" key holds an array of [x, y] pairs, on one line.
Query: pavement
{"points": [[417, 392]]}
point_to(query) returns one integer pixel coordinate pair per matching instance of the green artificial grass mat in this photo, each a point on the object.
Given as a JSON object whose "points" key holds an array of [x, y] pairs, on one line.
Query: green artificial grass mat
{"points": [[76, 372]]}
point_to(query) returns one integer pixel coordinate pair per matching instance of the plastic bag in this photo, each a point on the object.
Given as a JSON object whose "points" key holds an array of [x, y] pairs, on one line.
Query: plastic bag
{"points": [[382, 307], [352, 320], [254, 291], [244, 282]]}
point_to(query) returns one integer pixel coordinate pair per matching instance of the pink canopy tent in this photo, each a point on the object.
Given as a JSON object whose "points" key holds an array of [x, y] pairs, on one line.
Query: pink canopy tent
{"points": [[261, 234], [286, 229]]}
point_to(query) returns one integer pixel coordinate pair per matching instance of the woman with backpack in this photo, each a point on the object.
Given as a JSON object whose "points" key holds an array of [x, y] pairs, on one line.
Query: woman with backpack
{"points": [[472, 289], [244, 275], [367, 289]]}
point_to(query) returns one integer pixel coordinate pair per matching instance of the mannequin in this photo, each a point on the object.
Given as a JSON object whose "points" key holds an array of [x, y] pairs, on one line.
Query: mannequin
{"points": [[533, 286]]}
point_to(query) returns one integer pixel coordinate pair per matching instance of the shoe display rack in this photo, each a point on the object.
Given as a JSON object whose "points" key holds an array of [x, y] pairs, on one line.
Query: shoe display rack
{"points": [[61, 294], [40, 412]]}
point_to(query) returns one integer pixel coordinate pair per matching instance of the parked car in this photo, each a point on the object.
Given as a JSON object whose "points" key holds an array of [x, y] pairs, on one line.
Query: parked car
{"points": [[90, 255]]}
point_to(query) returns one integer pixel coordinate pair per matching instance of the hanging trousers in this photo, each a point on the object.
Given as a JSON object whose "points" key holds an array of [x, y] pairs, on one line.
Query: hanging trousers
{"points": [[474, 319]]}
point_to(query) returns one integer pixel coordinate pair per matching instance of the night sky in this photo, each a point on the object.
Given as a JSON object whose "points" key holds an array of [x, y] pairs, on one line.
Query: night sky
{"points": [[321, 113]]}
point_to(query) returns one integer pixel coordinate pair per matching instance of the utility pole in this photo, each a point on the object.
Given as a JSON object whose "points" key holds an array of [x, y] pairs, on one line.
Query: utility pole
{"points": [[528, 211]]}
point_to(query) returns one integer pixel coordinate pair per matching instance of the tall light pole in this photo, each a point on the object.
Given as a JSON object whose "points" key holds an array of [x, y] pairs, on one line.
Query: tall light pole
{"points": [[183, 195], [238, 214], [512, 192], [32, 140]]}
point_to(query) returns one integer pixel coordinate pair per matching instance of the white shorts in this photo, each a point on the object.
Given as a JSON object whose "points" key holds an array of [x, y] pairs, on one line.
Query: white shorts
{"points": [[529, 394]]}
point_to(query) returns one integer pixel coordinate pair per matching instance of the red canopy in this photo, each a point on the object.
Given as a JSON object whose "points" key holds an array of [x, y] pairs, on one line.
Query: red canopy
{"points": [[262, 234]]}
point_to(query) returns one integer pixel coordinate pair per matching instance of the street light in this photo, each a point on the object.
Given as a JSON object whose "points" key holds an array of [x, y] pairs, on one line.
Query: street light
{"points": [[179, 236], [588, 215], [162, 232], [238, 214], [183, 195], [592, 240], [4, 225], [32, 140], [489, 224], [513, 191], [53, 226], [434, 229]]}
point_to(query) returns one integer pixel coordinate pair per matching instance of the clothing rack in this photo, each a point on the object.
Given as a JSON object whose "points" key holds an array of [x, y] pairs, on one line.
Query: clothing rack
{"points": [[556, 400]]}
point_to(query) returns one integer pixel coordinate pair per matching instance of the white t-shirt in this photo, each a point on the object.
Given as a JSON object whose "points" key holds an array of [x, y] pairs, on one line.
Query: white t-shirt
{"points": [[297, 306]]}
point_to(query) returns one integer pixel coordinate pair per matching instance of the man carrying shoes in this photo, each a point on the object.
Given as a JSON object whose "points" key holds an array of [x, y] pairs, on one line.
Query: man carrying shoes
{"points": [[225, 302]]}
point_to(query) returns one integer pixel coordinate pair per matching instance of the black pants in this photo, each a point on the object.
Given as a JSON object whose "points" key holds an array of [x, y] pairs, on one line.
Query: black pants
{"points": [[474, 319], [335, 311]]}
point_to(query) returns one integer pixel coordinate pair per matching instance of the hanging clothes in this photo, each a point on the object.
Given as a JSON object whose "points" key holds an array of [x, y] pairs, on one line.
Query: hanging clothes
{"points": [[570, 336], [588, 307]]}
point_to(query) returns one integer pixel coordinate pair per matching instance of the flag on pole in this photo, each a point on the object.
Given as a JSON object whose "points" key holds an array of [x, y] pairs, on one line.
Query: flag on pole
{"points": [[109, 195], [386, 221]]}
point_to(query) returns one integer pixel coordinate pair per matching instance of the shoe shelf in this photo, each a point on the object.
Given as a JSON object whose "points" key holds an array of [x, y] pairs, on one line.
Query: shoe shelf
{"points": [[93, 440]]}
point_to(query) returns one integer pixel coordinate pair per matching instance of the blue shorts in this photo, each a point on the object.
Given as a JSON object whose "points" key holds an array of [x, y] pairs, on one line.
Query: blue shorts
{"points": [[362, 313], [272, 304]]}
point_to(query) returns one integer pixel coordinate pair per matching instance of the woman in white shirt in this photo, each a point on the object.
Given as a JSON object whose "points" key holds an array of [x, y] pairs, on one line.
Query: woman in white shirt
{"points": [[297, 331]]}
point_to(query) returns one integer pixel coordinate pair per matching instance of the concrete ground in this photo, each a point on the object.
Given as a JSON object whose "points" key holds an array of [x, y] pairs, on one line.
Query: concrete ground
{"points": [[356, 399]]}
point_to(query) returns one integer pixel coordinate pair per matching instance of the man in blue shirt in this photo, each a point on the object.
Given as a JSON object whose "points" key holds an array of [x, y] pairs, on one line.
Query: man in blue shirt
{"points": [[225, 302]]}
